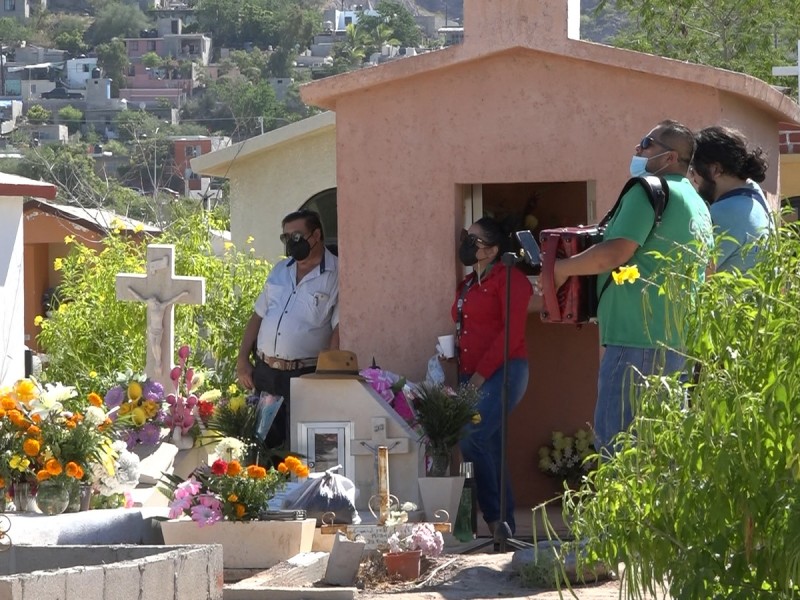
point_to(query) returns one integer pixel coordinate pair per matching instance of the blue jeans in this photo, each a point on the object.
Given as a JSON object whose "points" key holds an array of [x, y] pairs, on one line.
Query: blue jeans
{"points": [[616, 387], [482, 443]]}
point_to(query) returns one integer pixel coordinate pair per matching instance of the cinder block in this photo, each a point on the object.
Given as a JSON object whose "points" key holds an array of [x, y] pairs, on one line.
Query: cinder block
{"points": [[85, 583], [50, 585], [157, 577], [191, 575], [10, 588], [216, 573], [120, 579]]}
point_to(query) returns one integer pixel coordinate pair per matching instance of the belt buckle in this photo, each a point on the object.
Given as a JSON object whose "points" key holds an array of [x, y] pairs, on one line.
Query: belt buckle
{"points": [[276, 364]]}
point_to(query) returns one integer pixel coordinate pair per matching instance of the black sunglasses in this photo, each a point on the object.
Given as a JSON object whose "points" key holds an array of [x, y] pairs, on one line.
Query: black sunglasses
{"points": [[295, 236], [465, 235], [648, 141]]}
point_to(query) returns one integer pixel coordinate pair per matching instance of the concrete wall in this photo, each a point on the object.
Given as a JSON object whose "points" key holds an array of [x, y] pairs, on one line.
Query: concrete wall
{"points": [[12, 298], [111, 573]]}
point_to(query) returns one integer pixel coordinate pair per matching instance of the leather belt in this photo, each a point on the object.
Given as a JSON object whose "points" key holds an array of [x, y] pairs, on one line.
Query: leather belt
{"points": [[282, 364]]}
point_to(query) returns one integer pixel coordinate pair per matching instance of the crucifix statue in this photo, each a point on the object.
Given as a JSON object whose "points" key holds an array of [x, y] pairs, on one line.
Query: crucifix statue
{"points": [[160, 289]]}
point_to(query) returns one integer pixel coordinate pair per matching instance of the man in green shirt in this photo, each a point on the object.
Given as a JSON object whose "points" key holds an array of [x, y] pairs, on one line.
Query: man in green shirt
{"points": [[642, 330]]}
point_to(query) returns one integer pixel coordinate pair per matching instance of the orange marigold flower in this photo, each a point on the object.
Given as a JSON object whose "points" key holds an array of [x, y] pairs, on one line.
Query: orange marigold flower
{"points": [[240, 510], [37, 418], [70, 424], [302, 471], [15, 417], [283, 468], [233, 498], [8, 403], [42, 475], [95, 399], [77, 417], [292, 462], [34, 431], [53, 467], [105, 424], [234, 468], [2, 413], [31, 447], [256, 472], [74, 470]]}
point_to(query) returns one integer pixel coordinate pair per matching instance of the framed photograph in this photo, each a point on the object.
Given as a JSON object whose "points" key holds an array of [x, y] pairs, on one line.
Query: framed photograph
{"points": [[325, 445]]}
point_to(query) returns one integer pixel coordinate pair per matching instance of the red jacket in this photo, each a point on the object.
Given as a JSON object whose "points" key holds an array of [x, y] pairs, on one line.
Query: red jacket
{"points": [[481, 339]]}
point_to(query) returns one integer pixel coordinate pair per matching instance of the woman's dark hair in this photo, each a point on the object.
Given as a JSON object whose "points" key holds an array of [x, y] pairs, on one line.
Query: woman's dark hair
{"points": [[311, 218], [728, 148], [494, 234]]}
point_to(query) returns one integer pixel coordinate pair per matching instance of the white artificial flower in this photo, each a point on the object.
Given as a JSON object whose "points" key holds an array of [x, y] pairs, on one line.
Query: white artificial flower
{"points": [[57, 392], [95, 416], [210, 396], [230, 448], [408, 506], [44, 407]]}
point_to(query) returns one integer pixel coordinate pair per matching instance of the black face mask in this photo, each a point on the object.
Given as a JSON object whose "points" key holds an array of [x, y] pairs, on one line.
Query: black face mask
{"points": [[468, 253], [298, 250]]}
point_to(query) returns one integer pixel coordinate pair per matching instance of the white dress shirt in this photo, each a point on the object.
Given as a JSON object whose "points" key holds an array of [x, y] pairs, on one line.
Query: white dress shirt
{"points": [[298, 318]]}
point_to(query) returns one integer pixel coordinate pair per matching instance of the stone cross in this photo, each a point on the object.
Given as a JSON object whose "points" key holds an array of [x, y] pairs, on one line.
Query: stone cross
{"points": [[792, 71], [378, 439], [160, 289]]}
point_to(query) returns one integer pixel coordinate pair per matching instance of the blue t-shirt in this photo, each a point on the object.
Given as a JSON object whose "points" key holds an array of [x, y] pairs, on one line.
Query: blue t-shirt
{"points": [[741, 218]]}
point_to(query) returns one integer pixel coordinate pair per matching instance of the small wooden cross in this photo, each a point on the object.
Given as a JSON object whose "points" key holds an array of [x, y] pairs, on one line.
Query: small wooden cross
{"points": [[160, 289]]}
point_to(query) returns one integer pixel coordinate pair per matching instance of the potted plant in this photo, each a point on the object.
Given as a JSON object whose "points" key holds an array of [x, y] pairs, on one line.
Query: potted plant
{"points": [[403, 559], [226, 504], [565, 458]]}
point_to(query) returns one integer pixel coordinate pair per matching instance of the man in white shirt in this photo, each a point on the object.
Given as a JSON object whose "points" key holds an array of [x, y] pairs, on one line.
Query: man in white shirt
{"points": [[295, 317]]}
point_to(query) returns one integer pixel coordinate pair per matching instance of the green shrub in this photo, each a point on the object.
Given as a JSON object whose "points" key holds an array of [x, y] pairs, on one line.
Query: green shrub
{"points": [[92, 336], [704, 496]]}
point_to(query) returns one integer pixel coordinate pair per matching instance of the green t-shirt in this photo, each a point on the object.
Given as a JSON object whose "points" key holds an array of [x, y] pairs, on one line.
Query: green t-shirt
{"points": [[635, 314]]}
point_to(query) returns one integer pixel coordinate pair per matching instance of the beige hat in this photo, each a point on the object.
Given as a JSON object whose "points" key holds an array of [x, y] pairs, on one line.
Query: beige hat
{"points": [[336, 364]]}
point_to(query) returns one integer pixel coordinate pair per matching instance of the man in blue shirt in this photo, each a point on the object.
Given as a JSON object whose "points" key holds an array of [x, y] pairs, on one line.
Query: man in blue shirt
{"points": [[296, 316], [726, 175]]}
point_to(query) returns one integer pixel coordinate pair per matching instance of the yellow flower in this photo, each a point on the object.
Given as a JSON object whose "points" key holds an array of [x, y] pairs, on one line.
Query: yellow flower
{"points": [[233, 498], [20, 463], [25, 390], [228, 245], [134, 391], [37, 320], [138, 228], [68, 239], [236, 403], [139, 416], [93, 375], [629, 273], [232, 389], [250, 239], [476, 418], [58, 264]]}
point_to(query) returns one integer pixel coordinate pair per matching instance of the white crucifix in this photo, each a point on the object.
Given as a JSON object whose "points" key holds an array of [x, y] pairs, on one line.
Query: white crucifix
{"points": [[792, 71], [160, 289], [378, 439]]}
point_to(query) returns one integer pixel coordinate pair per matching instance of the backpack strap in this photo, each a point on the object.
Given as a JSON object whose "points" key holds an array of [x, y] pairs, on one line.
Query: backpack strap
{"points": [[657, 192]]}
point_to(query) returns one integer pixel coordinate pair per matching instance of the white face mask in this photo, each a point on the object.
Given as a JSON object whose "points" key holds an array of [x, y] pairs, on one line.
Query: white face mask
{"points": [[638, 166]]}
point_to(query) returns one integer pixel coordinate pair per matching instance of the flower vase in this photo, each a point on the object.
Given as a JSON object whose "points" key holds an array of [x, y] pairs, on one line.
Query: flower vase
{"points": [[439, 461], [52, 497], [23, 496], [405, 565], [74, 490], [86, 492]]}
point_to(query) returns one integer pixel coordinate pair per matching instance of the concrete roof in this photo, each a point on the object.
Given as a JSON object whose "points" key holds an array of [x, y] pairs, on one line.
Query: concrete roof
{"points": [[218, 163], [326, 92], [95, 219], [14, 185]]}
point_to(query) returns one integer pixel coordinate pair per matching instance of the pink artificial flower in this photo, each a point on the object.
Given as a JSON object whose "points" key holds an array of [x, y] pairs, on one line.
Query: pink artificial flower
{"points": [[175, 374], [187, 489], [210, 501], [178, 506], [128, 499], [205, 515], [400, 405], [183, 353]]}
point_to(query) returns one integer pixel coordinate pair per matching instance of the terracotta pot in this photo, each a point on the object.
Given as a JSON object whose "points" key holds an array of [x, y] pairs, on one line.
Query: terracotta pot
{"points": [[405, 565]]}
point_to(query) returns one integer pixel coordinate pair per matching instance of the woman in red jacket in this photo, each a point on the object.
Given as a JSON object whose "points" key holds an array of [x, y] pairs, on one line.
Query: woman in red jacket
{"points": [[479, 312]]}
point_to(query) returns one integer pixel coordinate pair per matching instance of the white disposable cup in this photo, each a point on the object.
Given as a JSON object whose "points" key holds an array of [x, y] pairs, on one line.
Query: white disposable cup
{"points": [[448, 345]]}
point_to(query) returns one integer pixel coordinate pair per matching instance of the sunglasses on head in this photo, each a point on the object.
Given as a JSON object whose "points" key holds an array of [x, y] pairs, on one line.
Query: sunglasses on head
{"points": [[295, 236], [465, 235], [649, 140]]}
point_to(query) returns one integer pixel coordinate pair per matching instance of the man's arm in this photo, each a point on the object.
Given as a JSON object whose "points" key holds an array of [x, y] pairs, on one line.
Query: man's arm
{"points": [[600, 258], [244, 368]]}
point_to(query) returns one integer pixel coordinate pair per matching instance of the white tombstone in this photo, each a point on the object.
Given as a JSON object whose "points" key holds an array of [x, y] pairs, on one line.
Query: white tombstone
{"points": [[12, 285], [340, 421], [160, 289]]}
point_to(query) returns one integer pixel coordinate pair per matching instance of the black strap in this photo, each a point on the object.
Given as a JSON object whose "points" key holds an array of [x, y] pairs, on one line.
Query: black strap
{"points": [[657, 191]]}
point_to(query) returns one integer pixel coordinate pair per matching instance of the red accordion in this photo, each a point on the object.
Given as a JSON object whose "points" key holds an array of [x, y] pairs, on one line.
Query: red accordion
{"points": [[576, 301]]}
